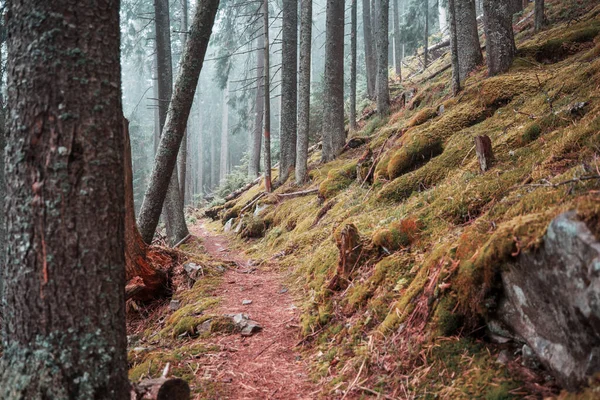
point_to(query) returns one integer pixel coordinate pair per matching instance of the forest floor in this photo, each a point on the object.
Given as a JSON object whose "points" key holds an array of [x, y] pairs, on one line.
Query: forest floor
{"points": [[268, 364]]}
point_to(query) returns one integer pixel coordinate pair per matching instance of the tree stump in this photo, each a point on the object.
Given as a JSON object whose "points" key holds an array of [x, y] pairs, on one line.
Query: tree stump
{"points": [[161, 389], [485, 154]]}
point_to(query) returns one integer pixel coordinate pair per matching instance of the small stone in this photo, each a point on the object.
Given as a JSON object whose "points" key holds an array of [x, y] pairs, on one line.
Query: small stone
{"points": [[441, 109], [221, 268], [251, 328], [174, 305], [228, 225], [503, 357], [204, 327], [191, 267], [246, 302], [283, 290]]}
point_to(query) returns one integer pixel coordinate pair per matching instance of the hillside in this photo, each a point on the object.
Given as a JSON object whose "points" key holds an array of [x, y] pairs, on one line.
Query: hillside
{"points": [[403, 280]]}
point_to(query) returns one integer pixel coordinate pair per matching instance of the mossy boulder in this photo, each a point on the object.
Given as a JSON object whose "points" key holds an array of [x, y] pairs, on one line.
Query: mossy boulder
{"points": [[423, 116], [337, 180], [397, 235], [557, 49], [252, 227], [415, 153]]}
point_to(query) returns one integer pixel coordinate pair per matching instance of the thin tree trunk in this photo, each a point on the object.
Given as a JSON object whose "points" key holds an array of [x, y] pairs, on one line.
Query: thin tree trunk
{"points": [[334, 136], [397, 47], [500, 40], [185, 87], [426, 52], [304, 91], [370, 61], [64, 337], [267, 99], [443, 17], [383, 93], [540, 16], [224, 159], [200, 150], [259, 105], [289, 92], [353, 28], [454, 48], [467, 37], [182, 158]]}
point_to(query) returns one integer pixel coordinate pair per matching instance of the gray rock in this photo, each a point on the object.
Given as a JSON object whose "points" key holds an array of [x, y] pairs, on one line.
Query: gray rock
{"points": [[552, 301], [204, 327], [246, 302], [193, 270], [503, 357], [228, 225], [441, 109], [259, 209], [174, 305], [247, 326]]}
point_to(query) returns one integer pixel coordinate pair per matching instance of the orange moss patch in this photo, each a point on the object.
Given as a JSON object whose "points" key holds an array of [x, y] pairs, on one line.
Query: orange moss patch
{"points": [[397, 235]]}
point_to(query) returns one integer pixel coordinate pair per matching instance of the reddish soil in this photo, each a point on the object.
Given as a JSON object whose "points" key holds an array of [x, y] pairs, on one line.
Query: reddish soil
{"points": [[266, 365]]}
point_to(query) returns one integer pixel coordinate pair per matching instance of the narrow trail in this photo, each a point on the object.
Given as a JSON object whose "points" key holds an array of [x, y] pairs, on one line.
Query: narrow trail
{"points": [[265, 365]]}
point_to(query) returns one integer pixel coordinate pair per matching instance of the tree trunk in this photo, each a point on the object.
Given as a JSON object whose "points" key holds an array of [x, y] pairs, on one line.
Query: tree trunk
{"points": [[370, 61], [334, 136], [383, 93], [397, 46], [426, 46], [2, 163], [214, 164], [179, 110], [173, 206], [267, 99], [200, 150], [64, 333], [289, 85], [304, 91], [500, 39], [256, 142], [443, 16], [516, 6], [540, 16], [224, 159], [467, 37], [182, 159], [353, 28], [454, 47]]}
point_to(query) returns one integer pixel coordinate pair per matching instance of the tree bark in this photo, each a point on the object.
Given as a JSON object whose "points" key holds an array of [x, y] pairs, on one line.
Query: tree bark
{"points": [[516, 6], [256, 142], [173, 206], [214, 163], [224, 159], [64, 323], [539, 15], [485, 153], [397, 46], [426, 46], [454, 47], [370, 60], [182, 158], [267, 99], [500, 39], [353, 23], [304, 91], [179, 110], [334, 136], [443, 17], [289, 92], [383, 93], [467, 37]]}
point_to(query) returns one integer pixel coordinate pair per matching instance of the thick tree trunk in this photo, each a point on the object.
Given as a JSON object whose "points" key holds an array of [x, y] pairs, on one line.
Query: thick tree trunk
{"points": [[467, 37], [454, 47], [397, 39], [267, 99], [64, 326], [173, 206], [256, 140], [353, 23], [2, 163], [224, 159], [289, 93], [539, 15], [500, 39], [304, 91], [334, 136], [426, 39], [516, 6], [370, 60], [383, 93], [182, 158], [179, 110]]}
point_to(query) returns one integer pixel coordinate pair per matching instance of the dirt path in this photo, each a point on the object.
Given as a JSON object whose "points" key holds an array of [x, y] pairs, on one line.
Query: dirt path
{"points": [[266, 365]]}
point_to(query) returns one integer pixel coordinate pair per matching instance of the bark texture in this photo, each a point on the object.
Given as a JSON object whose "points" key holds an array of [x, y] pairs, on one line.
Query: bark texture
{"points": [[397, 39], [454, 47], [256, 139], [64, 322], [334, 136], [500, 39], [173, 205], [539, 15], [289, 85], [370, 60], [353, 23], [383, 93], [267, 99], [182, 159], [467, 37], [181, 102], [304, 91], [426, 38], [224, 159]]}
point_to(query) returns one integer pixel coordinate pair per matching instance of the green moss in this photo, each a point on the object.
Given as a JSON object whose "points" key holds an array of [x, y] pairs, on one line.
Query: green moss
{"points": [[447, 320], [531, 133], [415, 153], [423, 116], [397, 235], [338, 180]]}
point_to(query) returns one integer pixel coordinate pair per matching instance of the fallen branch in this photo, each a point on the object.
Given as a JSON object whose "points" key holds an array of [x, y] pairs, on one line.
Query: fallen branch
{"points": [[298, 194], [555, 185], [253, 201], [237, 193], [182, 241]]}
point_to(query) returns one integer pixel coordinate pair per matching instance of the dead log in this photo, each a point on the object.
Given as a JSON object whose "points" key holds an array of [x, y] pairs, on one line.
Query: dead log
{"points": [[161, 389], [485, 154], [238, 193], [298, 194], [253, 201], [154, 282]]}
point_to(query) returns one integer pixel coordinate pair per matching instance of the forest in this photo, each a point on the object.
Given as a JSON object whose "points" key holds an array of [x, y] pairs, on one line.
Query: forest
{"points": [[298, 199]]}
